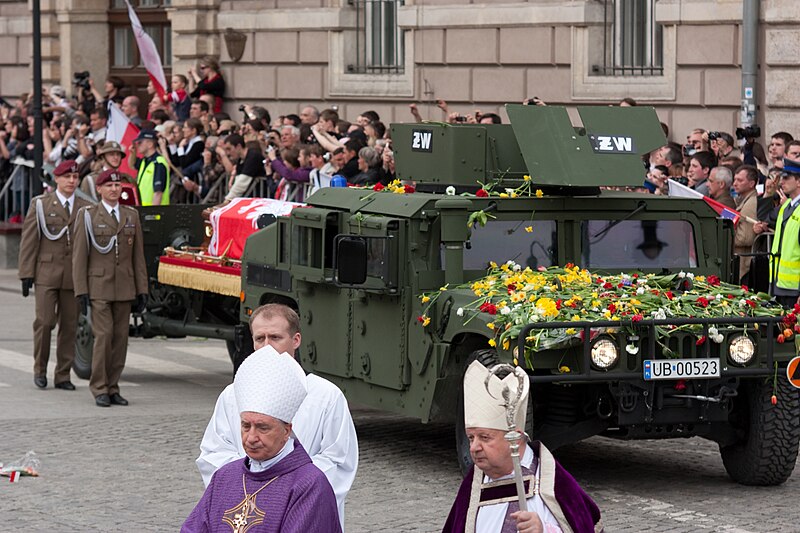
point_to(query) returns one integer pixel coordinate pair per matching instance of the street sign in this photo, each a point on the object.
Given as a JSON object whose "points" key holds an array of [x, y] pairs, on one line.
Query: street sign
{"points": [[793, 372]]}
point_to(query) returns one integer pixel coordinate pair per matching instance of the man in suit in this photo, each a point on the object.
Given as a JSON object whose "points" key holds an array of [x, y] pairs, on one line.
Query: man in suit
{"points": [[45, 258], [109, 272]]}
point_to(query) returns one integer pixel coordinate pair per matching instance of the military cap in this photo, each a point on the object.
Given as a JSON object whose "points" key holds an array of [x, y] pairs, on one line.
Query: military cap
{"points": [[110, 147], [791, 166], [108, 175], [66, 167]]}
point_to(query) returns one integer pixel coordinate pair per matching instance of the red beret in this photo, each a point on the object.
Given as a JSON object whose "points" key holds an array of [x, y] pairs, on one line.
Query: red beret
{"points": [[66, 167], [108, 175]]}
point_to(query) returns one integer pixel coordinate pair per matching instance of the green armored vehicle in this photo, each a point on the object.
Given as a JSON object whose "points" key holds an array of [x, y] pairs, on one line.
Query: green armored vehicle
{"points": [[385, 285]]}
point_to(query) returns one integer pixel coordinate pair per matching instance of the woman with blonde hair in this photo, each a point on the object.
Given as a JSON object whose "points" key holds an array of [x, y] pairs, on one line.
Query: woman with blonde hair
{"points": [[211, 82]]}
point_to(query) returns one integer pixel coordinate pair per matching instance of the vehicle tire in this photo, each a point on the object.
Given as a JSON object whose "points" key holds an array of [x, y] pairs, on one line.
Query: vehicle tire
{"points": [[767, 452], [487, 357], [84, 343], [238, 356]]}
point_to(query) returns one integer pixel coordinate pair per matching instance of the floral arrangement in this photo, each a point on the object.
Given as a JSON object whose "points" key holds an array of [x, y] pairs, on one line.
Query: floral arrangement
{"points": [[514, 297]]}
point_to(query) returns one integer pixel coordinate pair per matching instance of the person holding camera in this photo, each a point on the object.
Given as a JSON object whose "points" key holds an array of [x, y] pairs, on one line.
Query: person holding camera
{"points": [[211, 82], [721, 143], [45, 259]]}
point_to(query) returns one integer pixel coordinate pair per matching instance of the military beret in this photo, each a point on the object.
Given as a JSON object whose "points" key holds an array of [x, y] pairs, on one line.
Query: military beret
{"points": [[791, 166], [108, 175], [66, 167]]}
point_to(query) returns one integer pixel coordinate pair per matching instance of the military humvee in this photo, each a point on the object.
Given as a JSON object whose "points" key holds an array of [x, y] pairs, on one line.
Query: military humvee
{"points": [[355, 262]]}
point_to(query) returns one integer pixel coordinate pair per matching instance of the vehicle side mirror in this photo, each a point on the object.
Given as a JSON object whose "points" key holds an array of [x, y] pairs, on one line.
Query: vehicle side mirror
{"points": [[351, 260]]}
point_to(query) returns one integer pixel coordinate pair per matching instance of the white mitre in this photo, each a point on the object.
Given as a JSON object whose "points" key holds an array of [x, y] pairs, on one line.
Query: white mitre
{"points": [[271, 384], [484, 406]]}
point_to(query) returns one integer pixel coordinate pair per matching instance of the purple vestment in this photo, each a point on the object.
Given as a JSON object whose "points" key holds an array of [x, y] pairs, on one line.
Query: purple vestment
{"points": [[300, 500], [577, 507]]}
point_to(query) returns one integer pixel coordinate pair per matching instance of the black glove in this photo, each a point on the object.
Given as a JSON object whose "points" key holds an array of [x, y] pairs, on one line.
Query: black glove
{"points": [[141, 303], [83, 300], [27, 283]]}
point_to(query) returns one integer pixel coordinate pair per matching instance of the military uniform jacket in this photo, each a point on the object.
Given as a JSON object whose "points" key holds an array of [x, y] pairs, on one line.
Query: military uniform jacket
{"points": [[49, 262], [120, 273]]}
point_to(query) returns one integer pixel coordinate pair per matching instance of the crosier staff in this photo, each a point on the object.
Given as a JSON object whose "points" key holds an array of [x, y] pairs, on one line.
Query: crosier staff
{"points": [[511, 404]]}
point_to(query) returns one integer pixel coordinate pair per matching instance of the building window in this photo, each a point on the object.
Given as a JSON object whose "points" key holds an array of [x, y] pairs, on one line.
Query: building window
{"points": [[379, 46], [632, 40]]}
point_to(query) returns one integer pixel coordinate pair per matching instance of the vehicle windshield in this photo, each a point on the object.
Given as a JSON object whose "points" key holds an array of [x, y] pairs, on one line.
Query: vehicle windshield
{"points": [[638, 244], [526, 242]]}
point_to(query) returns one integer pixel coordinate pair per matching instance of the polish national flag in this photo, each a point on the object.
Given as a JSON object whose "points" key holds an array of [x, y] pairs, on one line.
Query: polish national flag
{"points": [[149, 53], [120, 129], [14, 476], [678, 189]]}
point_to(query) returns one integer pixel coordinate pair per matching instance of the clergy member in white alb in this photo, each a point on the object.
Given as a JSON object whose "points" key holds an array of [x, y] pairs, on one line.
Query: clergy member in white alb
{"points": [[323, 424]]}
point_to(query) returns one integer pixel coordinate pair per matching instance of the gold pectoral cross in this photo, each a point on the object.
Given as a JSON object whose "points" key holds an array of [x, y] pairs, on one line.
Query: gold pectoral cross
{"points": [[239, 517]]}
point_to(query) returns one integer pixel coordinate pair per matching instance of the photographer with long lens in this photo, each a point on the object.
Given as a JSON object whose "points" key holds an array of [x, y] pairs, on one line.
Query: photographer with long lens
{"points": [[86, 99]]}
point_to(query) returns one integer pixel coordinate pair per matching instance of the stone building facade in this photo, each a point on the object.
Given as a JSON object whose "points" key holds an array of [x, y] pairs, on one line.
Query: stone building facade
{"points": [[386, 54]]}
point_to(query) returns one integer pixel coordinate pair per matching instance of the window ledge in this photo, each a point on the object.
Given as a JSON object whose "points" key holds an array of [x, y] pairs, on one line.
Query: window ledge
{"points": [[343, 83]]}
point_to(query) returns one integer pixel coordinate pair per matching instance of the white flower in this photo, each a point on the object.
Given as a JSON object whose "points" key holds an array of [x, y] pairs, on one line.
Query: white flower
{"points": [[640, 290], [718, 297], [626, 276], [632, 349], [516, 268], [742, 302], [641, 281], [690, 275], [505, 311], [718, 338], [460, 311], [510, 191], [712, 331], [450, 191], [659, 314], [681, 274]]}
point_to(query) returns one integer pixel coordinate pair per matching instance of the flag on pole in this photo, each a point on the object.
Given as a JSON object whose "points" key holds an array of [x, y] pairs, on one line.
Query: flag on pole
{"points": [[149, 53], [120, 129], [682, 191]]}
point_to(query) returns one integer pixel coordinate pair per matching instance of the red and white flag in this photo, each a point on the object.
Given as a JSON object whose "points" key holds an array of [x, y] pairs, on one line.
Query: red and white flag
{"points": [[149, 53], [14, 476], [120, 129], [677, 189]]}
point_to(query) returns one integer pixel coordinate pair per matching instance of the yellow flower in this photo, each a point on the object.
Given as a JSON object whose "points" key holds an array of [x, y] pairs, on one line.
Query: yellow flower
{"points": [[634, 301], [526, 177], [426, 321], [513, 194], [503, 195], [443, 288], [490, 325], [492, 343], [492, 264], [572, 331], [564, 369], [506, 344], [529, 229], [539, 193], [426, 299]]}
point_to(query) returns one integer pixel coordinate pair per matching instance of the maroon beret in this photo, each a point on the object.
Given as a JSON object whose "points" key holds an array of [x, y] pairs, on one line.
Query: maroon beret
{"points": [[66, 167], [108, 175]]}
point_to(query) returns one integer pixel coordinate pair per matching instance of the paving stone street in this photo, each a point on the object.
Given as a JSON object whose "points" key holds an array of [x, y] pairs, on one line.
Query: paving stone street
{"points": [[132, 468]]}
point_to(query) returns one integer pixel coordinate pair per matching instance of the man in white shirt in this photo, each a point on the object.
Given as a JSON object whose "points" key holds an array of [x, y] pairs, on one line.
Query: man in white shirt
{"points": [[323, 424]]}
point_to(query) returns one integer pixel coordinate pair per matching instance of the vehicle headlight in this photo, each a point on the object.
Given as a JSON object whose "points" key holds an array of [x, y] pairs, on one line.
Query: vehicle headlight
{"points": [[741, 350], [604, 353]]}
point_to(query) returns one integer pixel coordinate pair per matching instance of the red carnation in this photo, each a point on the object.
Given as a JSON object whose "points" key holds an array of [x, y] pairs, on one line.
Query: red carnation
{"points": [[409, 189], [713, 280], [607, 285], [655, 291], [420, 319], [669, 295], [482, 193], [378, 187], [751, 303], [796, 308], [700, 341], [702, 301], [488, 307], [558, 304], [637, 318], [612, 308], [511, 288], [744, 288]]}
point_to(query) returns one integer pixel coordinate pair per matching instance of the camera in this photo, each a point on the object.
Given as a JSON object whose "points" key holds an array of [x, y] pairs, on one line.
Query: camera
{"points": [[750, 132], [81, 79], [461, 118], [713, 135], [242, 108], [689, 150]]}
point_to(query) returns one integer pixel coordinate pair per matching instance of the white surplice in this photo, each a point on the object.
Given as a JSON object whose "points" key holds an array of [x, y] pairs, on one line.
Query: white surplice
{"points": [[323, 426], [491, 517]]}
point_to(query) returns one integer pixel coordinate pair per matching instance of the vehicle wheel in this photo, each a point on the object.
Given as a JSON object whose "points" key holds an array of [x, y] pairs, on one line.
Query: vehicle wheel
{"points": [[239, 355], [767, 452], [487, 358], [84, 343]]}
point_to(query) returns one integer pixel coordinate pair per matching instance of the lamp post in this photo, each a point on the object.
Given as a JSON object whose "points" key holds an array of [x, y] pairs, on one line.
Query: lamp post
{"points": [[36, 183]]}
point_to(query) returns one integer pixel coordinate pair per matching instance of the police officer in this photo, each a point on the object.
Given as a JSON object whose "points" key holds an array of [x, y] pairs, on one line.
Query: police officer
{"points": [[110, 155], [45, 258], [785, 259], [109, 271], [153, 170]]}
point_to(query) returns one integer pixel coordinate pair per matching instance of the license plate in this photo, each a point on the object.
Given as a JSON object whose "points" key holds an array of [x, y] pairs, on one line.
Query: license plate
{"points": [[681, 368]]}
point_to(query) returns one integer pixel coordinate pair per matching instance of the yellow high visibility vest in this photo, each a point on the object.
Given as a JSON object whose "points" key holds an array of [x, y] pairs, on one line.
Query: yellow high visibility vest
{"points": [[786, 236], [145, 181]]}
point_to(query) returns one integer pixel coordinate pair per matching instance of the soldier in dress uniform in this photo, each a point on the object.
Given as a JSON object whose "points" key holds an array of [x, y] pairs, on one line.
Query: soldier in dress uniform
{"points": [[45, 258], [110, 156], [109, 271]]}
